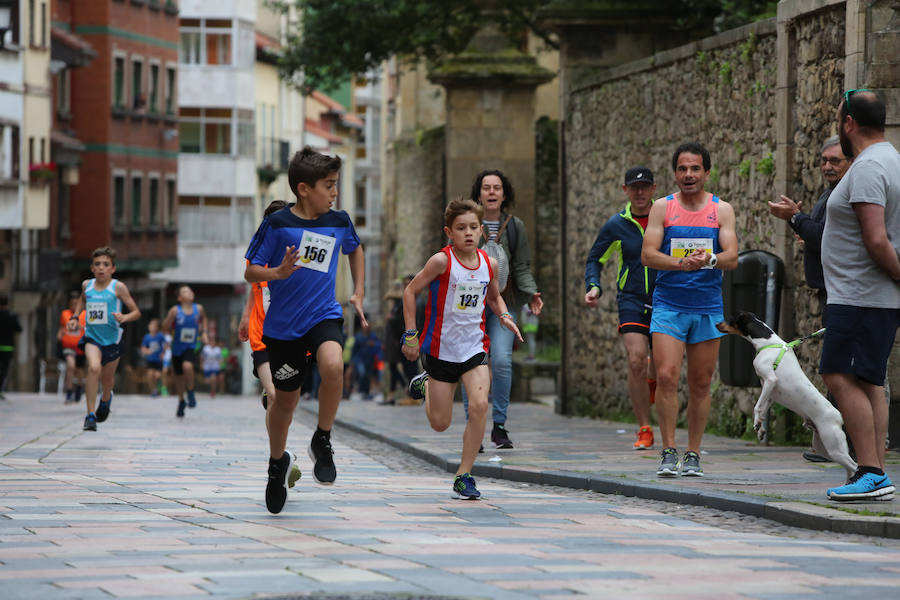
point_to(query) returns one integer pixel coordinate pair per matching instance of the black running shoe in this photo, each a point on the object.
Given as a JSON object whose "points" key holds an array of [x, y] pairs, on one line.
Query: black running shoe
{"points": [[280, 474], [103, 409], [500, 436], [191, 399], [90, 422], [416, 388], [180, 412], [320, 452]]}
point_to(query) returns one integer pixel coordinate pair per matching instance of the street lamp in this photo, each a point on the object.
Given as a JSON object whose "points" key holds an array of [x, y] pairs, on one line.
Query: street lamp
{"points": [[5, 17]]}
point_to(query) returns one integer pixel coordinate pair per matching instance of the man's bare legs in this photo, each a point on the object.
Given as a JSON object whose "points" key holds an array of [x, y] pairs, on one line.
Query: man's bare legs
{"points": [[668, 353], [637, 347], [701, 363], [865, 415]]}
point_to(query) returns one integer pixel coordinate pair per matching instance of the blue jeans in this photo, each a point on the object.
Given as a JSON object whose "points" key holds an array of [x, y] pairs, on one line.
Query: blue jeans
{"points": [[502, 340]]}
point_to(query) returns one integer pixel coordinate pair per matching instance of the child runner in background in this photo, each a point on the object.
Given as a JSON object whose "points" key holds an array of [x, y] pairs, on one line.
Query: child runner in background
{"points": [[152, 348], [212, 365], [460, 280], [102, 298], [70, 333], [187, 322]]}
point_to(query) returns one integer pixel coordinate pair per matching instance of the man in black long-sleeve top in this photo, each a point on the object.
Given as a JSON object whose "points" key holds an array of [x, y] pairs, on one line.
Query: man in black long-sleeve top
{"points": [[809, 227], [9, 327]]}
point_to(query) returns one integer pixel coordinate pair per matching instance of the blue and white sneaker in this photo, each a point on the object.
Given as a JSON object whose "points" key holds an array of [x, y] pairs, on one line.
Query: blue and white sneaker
{"points": [[866, 486], [464, 487]]}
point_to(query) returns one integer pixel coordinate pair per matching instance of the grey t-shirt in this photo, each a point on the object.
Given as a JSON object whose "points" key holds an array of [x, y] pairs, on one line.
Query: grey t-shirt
{"points": [[851, 276]]}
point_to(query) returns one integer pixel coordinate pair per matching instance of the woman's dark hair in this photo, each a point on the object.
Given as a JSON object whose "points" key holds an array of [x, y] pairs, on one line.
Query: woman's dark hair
{"points": [[274, 206], [509, 194]]}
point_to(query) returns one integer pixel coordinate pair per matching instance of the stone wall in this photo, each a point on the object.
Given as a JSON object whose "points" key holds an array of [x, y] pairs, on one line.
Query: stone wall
{"points": [[545, 250], [719, 91], [414, 201]]}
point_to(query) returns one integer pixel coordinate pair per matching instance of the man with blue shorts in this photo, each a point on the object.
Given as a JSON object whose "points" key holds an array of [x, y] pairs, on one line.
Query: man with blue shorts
{"points": [[861, 263], [690, 239]]}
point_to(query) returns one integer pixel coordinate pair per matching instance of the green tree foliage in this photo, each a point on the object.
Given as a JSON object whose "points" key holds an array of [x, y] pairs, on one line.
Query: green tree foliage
{"points": [[343, 37]]}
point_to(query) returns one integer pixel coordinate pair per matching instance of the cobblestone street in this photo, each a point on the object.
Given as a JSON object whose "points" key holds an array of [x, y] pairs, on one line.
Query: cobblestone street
{"points": [[149, 506]]}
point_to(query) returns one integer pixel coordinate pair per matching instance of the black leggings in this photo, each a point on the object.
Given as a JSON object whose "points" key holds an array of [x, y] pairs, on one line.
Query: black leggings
{"points": [[5, 360]]}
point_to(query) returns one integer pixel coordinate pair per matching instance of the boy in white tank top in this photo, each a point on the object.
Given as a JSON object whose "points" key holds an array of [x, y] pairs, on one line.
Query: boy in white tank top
{"points": [[460, 281]]}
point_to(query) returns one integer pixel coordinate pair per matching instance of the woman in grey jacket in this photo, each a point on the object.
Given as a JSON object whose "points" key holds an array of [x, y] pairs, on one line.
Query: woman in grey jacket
{"points": [[493, 190]]}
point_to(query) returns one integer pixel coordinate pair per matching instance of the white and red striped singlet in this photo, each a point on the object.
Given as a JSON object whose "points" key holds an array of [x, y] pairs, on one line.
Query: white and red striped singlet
{"points": [[454, 316]]}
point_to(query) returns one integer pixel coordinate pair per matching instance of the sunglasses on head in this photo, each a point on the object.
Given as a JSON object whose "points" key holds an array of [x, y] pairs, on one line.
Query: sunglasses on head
{"points": [[847, 95]]}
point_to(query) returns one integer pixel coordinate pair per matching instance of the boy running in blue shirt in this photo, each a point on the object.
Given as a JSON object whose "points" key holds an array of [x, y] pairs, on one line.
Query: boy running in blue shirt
{"points": [[101, 299], [302, 241], [152, 347], [186, 321]]}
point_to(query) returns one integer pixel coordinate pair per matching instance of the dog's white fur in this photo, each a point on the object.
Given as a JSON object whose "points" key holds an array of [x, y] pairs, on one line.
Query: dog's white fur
{"points": [[790, 387]]}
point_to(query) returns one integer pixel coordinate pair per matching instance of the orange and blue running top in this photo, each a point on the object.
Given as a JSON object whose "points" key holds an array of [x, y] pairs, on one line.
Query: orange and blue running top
{"points": [[698, 292]]}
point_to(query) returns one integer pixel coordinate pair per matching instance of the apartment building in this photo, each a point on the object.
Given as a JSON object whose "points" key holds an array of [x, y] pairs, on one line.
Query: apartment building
{"points": [[217, 179]]}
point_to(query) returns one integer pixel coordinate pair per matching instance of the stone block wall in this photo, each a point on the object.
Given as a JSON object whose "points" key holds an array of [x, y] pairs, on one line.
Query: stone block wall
{"points": [[720, 91], [415, 200]]}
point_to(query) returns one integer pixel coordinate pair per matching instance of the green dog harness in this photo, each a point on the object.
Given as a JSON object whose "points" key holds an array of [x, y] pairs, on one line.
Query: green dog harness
{"points": [[785, 346]]}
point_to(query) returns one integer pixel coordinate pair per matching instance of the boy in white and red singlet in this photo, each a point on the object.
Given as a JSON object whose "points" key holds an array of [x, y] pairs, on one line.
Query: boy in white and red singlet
{"points": [[454, 345]]}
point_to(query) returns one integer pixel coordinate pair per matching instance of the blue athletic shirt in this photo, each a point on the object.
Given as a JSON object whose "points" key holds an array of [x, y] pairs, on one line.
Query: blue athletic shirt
{"points": [[100, 325], [186, 326], [155, 343], [698, 292], [307, 296]]}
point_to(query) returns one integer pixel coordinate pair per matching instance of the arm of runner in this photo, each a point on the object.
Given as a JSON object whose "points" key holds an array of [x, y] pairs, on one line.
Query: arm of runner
{"points": [[256, 273], [436, 265], [728, 257], [244, 325], [169, 321], [875, 239], [357, 260], [124, 295], [653, 239]]}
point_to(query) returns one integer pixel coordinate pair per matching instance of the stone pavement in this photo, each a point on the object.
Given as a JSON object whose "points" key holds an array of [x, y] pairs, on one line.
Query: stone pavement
{"points": [[774, 482], [150, 506]]}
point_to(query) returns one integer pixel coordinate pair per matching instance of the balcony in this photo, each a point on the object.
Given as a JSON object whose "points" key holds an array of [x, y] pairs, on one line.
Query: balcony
{"points": [[214, 86], [216, 175], [37, 269]]}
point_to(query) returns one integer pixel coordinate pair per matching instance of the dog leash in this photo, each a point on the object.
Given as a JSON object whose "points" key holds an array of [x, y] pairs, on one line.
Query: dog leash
{"points": [[785, 346]]}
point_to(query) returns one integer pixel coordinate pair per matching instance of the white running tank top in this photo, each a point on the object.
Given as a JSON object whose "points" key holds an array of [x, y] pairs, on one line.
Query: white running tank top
{"points": [[454, 316]]}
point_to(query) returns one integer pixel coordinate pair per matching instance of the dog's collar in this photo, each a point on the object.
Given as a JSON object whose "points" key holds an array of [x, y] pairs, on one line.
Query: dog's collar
{"points": [[785, 346]]}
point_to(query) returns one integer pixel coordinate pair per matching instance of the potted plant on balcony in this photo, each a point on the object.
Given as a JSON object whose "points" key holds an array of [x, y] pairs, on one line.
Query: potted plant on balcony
{"points": [[40, 173], [267, 174]]}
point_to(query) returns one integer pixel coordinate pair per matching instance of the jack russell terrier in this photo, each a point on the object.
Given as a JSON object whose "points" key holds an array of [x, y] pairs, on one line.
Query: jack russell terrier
{"points": [[783, 381]]}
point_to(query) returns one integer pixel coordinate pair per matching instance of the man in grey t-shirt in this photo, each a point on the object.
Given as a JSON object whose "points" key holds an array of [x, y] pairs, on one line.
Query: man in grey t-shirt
{"points": [[861, 265]]}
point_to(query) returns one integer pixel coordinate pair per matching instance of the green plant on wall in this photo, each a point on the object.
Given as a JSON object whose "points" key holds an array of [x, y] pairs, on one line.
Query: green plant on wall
{"points": [[766, 164], [748, 47], [725, 70], [714, 177], [744, 167]]}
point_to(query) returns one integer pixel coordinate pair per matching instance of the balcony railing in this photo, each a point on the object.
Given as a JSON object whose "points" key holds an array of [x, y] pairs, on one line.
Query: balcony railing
{"points": [[37, 269], [273, 153]]}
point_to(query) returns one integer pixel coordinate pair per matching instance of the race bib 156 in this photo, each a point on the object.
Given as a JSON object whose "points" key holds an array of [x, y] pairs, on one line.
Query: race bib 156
{"points": [[315, 251]]}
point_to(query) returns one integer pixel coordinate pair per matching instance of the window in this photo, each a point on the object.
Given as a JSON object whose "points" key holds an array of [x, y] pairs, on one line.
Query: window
{"points": [[205, 42], [118, 200], [153, 201], [43, 150], [137, 84], [208, 131], [43, 24], [64, 92], [153, 103], [11, 35], [30, 151], [9, 152], [31, 20], [136, 184], [170, 90], [170, 202], [359, 218], [119, 82]]}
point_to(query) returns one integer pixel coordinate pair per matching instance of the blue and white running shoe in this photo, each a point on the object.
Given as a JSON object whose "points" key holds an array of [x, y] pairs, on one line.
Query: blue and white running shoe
{"points": [[866, 486]]}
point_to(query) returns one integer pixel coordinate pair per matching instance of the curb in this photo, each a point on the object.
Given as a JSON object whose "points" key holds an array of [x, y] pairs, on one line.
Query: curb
{"points": [[794, 514]]}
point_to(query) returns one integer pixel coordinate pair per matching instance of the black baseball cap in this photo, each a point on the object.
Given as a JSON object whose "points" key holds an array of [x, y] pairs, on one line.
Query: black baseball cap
{"points": [[638, 175]]}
